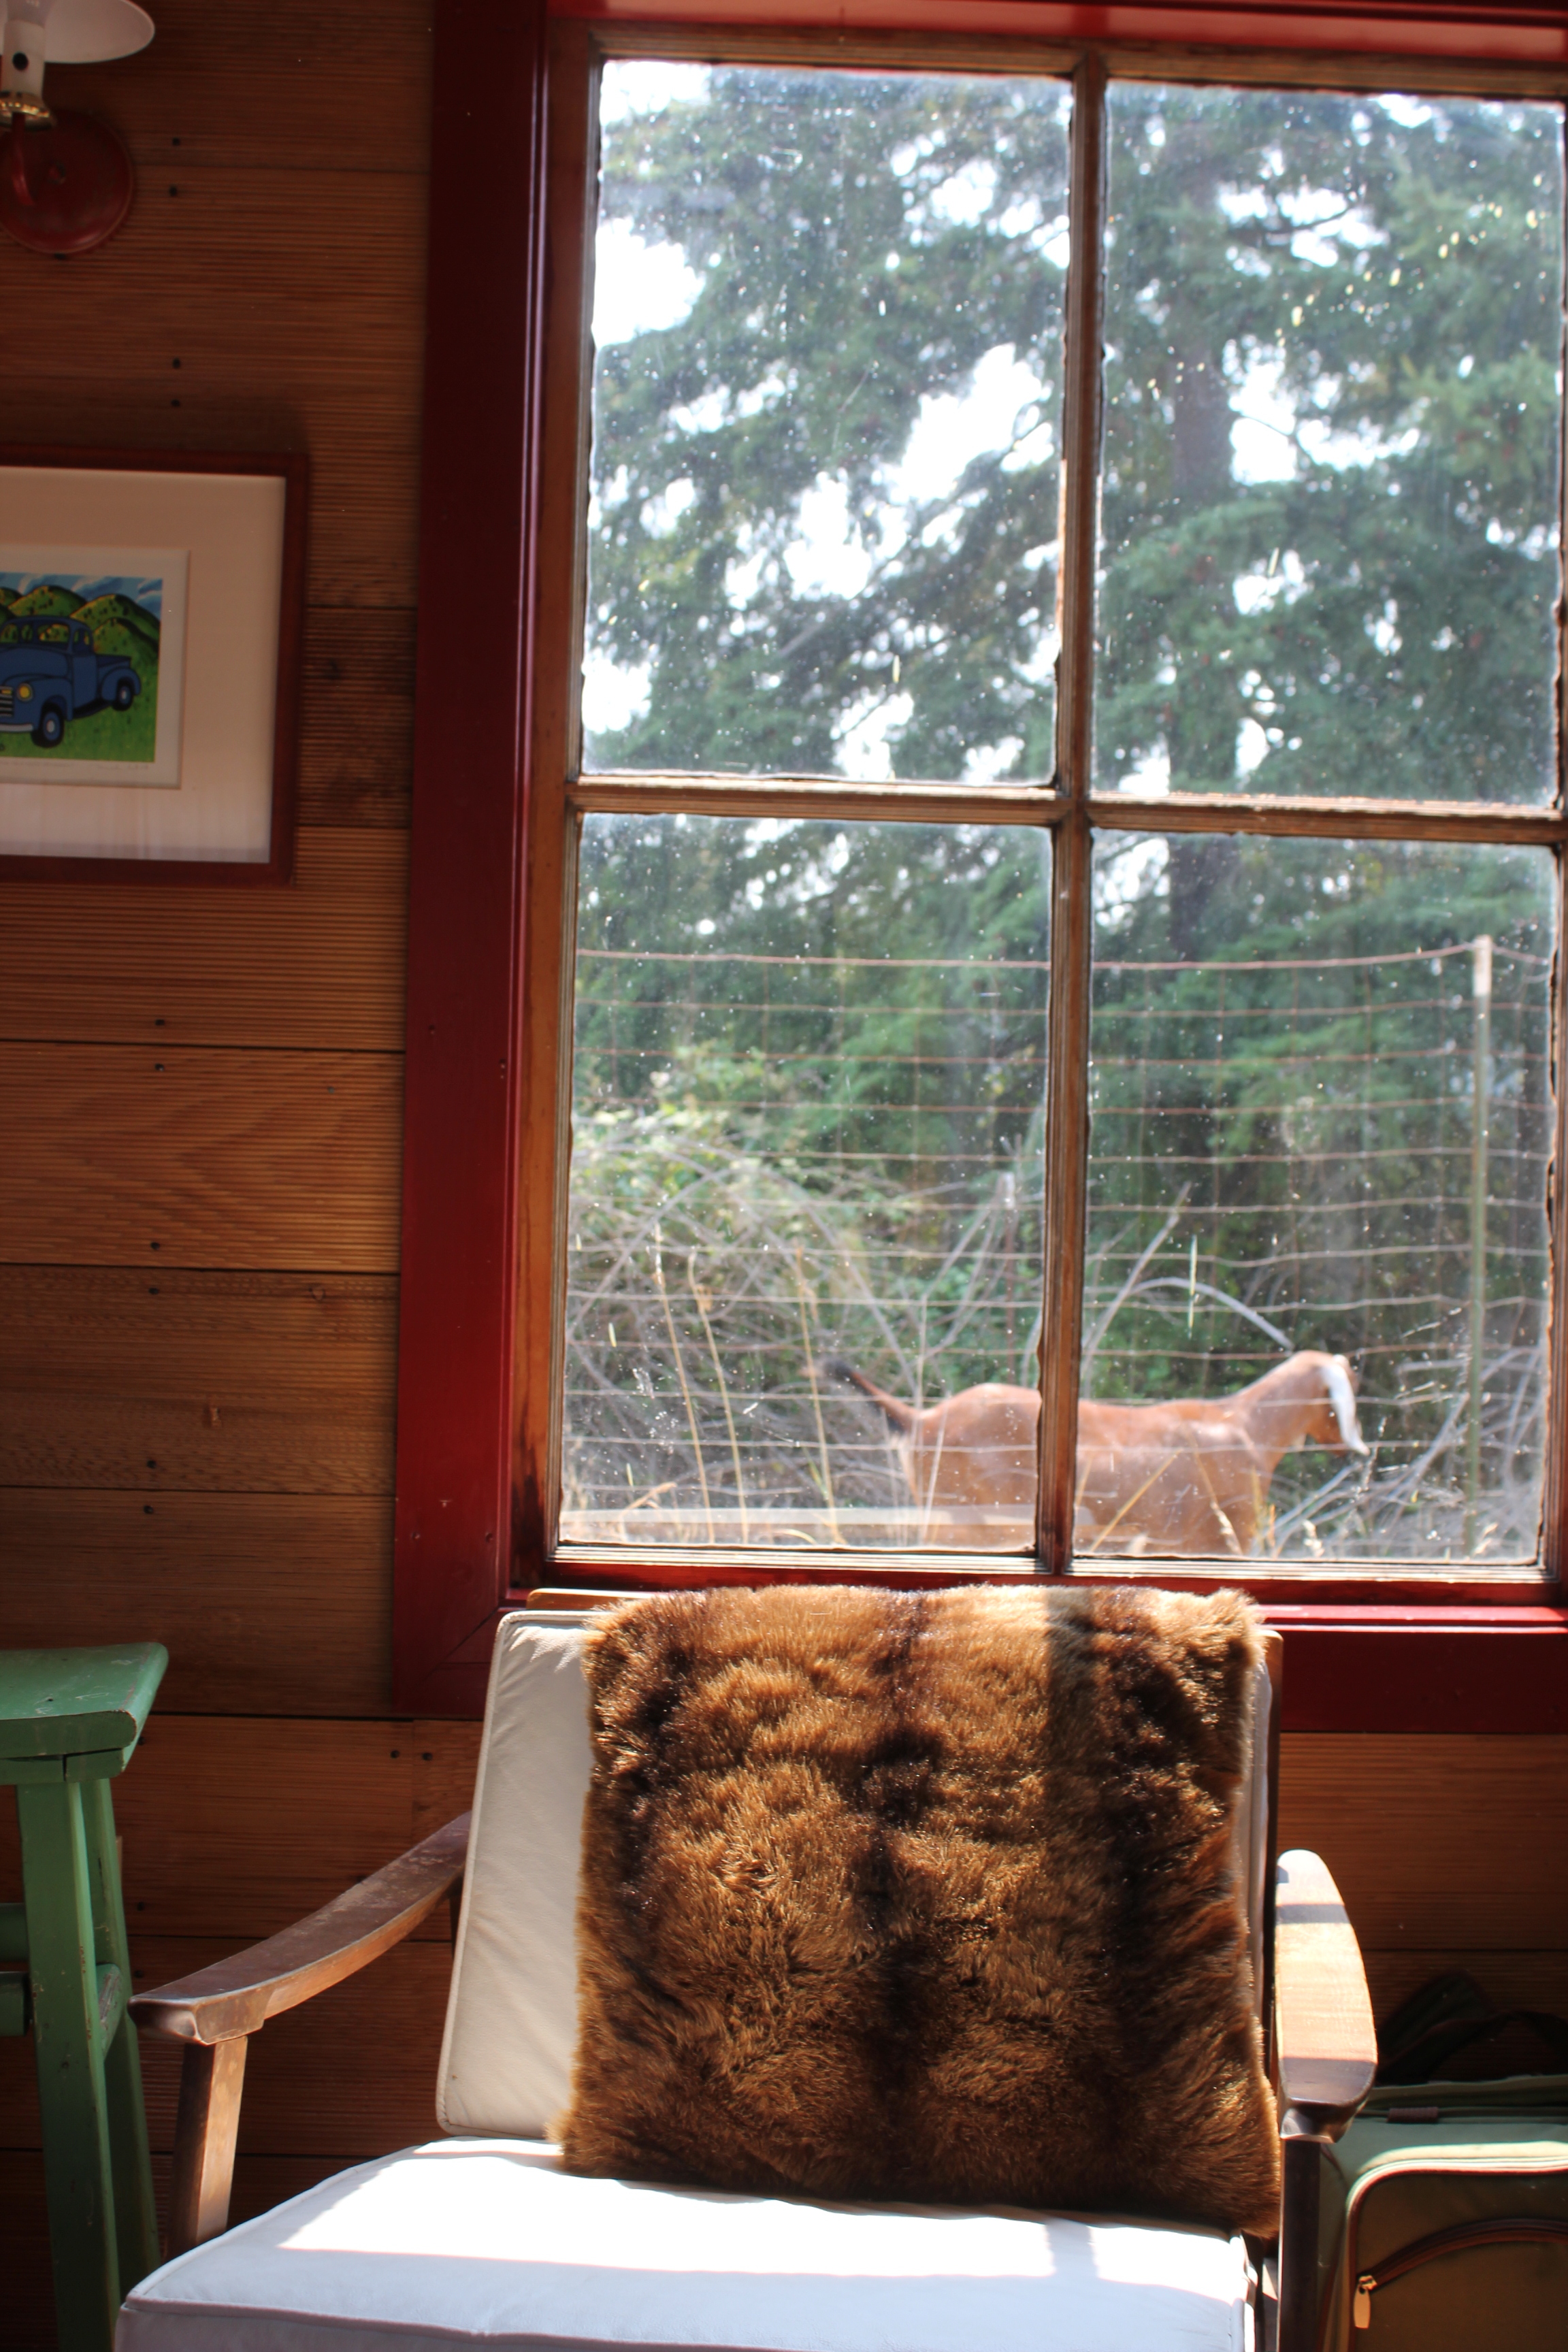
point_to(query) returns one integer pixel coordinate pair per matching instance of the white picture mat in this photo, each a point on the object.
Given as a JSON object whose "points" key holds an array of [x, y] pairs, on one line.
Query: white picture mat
{"points": [[170, 565], [231, 527]]}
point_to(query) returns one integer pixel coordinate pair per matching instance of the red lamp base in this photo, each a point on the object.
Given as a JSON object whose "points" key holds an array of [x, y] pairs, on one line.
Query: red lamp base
{"points": [[65, 186]]}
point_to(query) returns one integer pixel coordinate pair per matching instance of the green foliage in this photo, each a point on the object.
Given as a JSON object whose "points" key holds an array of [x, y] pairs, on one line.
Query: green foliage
{"points": [[1380, 279], [842, 287], [1383, 613], [926, 928], [1290, 1124], [707, 1284], [839, 1146]]}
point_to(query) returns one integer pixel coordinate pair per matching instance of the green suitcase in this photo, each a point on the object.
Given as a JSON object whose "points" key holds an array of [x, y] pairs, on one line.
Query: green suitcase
{"points": [[1444, 2213]]}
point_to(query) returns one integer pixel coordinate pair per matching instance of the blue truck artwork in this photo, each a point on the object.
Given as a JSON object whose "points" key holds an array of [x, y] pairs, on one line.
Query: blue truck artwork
{"points": [[50, 674]]}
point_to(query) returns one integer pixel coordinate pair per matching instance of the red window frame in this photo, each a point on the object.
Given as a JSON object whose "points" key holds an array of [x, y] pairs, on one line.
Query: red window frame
{"points": [[1363, 1658]]}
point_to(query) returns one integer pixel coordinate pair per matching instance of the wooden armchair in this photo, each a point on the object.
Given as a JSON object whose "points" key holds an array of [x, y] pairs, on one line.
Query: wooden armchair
{"points": [[395, 2247], [215, 2011]]}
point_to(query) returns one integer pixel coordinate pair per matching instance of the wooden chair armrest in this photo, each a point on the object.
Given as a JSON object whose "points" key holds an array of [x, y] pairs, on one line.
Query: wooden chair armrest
{"points": [[1325, 2056], [214, 2011], [1325, 2041], [235, 1996]]}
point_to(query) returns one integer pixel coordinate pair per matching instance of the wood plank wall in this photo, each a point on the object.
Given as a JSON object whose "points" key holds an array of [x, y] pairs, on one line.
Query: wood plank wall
{"points": [[199, 1177], [200, 1093]]}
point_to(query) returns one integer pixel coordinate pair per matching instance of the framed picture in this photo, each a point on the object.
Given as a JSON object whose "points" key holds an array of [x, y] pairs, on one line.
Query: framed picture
{"points": [[151, 610]]}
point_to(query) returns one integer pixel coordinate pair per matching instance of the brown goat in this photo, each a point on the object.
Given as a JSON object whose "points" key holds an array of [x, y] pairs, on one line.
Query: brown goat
{"points": [[1190, 1477]]}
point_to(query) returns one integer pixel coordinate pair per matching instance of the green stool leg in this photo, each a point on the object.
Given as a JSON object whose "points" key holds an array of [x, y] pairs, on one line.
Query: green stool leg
{"points": [[135, 2221], [62, 1964]]}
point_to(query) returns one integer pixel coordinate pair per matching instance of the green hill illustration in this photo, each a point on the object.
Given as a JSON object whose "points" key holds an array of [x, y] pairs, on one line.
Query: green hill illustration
{"points": [[118, 637], [133, 621], [47, 597]]}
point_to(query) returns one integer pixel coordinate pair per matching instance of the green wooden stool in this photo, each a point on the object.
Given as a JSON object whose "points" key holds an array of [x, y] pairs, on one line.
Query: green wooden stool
{"points": [[69, 1720]]}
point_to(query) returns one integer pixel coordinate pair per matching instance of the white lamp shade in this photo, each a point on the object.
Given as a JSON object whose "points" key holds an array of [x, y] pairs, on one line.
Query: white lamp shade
{"points": [[75, 32]]}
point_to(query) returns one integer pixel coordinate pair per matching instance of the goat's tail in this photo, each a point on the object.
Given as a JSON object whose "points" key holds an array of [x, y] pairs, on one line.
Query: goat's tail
{"points": [[834, 1368]]}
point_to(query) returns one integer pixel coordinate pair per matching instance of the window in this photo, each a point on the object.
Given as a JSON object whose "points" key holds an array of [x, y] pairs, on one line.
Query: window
{"points": [[1050, 877], [836, 490]]}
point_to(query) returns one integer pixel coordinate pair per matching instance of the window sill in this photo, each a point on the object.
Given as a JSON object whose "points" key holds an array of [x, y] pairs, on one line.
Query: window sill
{"points": [[1396, 1656]]}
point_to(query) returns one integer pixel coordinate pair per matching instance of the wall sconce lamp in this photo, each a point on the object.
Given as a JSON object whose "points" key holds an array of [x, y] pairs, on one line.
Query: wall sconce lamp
{"points": [[66, 181]]}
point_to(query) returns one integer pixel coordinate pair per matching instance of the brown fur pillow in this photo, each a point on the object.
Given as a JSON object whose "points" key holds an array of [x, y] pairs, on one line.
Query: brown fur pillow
{"points": [[922, 1897]]}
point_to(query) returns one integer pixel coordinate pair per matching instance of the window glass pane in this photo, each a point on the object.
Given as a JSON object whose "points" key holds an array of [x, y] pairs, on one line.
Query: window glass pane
{"points": [[823, 493], [806, 1135], [1320, 1107], [1329, 557]]}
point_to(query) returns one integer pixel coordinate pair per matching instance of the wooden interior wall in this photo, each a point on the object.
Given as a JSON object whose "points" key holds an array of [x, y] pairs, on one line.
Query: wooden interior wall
{"points": [[200, 1091], [199, 1097]]}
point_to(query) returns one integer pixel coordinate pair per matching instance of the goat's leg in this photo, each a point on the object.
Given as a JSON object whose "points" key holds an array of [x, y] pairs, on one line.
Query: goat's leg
{"points": [[1222, 1516]]}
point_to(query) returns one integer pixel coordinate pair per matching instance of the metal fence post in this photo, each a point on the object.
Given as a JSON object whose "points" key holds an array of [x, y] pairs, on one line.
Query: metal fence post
{"points": [[1481, 984]]}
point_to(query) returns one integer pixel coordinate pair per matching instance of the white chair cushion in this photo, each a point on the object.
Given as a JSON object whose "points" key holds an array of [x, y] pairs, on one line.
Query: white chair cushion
{"points": [[512, 2020], [490, 2242], [512, 2016]]}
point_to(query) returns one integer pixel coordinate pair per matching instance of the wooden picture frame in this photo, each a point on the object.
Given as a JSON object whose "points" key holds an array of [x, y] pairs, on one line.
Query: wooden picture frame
{"points": [[159, 740]]}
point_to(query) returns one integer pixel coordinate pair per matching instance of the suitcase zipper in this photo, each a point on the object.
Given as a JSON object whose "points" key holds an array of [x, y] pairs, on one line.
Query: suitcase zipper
{"points": [[1457, 2239]]}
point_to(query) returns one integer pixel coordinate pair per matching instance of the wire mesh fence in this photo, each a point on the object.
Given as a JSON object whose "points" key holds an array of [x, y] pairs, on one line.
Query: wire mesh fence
{"points": [[759, 1217], [785, 1160], [1350, 1154]]}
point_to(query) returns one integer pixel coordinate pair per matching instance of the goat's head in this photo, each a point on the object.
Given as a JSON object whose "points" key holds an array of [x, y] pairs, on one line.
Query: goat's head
{"points": [[1336, 1424]]}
